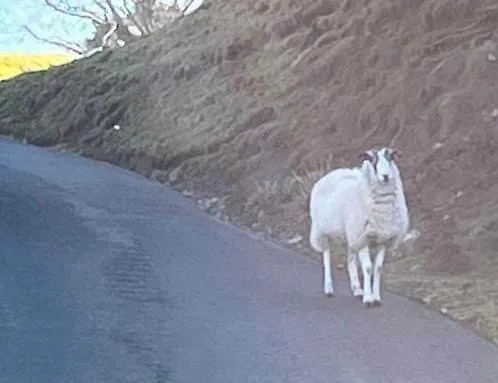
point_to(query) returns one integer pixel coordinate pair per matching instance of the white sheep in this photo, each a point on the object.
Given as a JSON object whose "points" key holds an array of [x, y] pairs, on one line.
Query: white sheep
{"points": [[366, 208]]}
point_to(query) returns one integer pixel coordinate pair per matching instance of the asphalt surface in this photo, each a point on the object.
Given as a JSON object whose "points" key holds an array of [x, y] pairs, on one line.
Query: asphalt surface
{"points": [[108, 277]]}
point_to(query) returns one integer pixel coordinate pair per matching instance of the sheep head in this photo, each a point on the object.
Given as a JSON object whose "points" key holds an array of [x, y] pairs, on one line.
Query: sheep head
{"points": [[380, 163]]}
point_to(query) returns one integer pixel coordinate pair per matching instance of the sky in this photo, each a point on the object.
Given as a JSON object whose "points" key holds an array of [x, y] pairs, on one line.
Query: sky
{"points": [[45, 22]]}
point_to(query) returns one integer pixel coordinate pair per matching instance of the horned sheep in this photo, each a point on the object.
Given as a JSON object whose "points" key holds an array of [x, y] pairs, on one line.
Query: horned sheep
{"points": [[365, 207]]}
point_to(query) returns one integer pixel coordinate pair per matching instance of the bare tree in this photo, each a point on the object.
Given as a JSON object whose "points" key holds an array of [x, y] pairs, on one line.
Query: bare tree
{"points": [[115, 22]]}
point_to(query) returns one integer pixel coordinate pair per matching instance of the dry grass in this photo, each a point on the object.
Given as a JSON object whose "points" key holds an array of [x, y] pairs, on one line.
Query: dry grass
{"points": [[310, 176], [12, 65], [259, 109], [470, 300]]}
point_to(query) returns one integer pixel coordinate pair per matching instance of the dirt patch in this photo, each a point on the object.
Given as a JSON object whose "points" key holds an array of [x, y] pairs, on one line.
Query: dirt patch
{"points": [[255, 100]]}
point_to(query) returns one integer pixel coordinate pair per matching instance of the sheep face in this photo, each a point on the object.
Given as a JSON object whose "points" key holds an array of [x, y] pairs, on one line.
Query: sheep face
{"points": [[380, 164]]}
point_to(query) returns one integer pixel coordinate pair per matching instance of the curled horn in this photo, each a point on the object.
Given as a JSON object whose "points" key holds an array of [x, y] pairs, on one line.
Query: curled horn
{"points": [[395, 153], [366, 156]]}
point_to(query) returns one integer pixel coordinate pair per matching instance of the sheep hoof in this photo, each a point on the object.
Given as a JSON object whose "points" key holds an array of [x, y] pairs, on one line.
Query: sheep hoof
{"points": [[329, 295], [376, 303], [368, 304], [357, 292]]}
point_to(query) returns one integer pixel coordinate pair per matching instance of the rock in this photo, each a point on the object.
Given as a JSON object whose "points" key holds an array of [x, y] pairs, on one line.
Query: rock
{"points": [[437, 145], [173, 176], [295, 240], [202, 204], [62, 148], [211, 202], [159, 176], [187, 193], [491, 57]]}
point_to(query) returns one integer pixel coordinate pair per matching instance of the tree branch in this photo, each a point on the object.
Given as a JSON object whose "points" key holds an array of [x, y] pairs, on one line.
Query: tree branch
{"points": [[106, 37], [60, 44], [91, 52], [143, 22], [82, 15], [101, 6], [109, 33], [117, 17], [143, 31], [104, 14], [94, 14], [187, 6]]}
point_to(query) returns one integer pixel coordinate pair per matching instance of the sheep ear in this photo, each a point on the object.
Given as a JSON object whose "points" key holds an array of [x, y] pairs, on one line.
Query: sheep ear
{"points": [[366, 156]]}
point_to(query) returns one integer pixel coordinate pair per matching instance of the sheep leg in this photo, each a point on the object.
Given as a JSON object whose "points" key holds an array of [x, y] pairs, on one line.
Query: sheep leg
{"points": [[328, 287], [366, 267], [377, 272], [354, 280]]}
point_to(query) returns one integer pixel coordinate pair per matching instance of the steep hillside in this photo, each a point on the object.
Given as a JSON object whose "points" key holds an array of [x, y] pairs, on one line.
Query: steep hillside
{"points": [[254, 99]]}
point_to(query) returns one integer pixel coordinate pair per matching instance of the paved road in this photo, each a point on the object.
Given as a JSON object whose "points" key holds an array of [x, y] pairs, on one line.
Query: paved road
{"points": [[107, 277]]}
